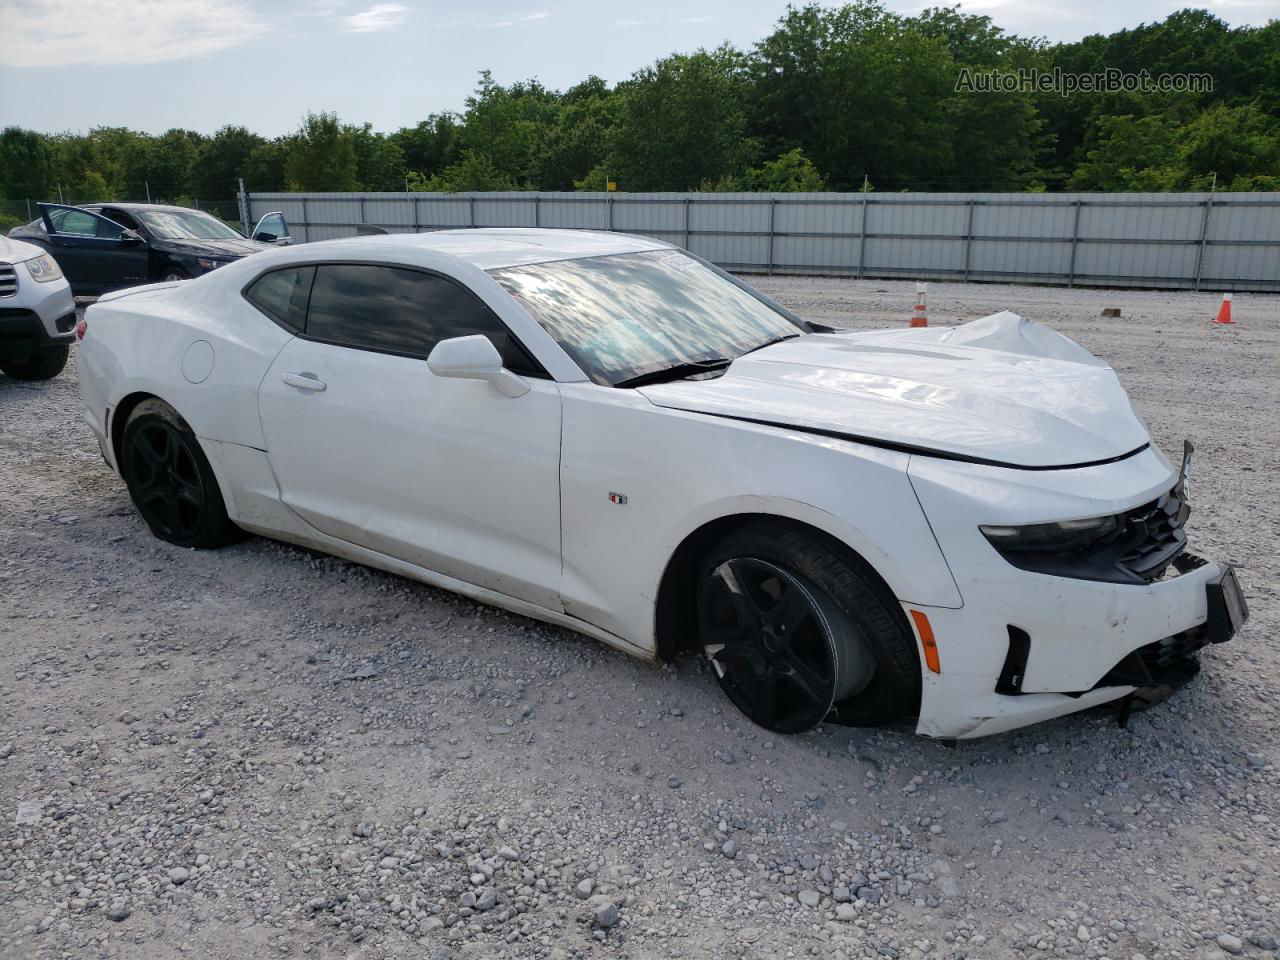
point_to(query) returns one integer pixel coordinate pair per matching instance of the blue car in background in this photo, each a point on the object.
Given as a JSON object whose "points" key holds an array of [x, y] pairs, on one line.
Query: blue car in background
{"points": [[106, 246]]}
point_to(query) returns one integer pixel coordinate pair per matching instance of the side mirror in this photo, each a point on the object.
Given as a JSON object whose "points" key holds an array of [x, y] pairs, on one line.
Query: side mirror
{"points": [[263, 237], [475, 358], [130, 236]]}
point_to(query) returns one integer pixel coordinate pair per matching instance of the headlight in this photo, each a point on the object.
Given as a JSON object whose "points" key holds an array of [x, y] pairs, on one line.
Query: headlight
{"points": [[44, 268], [210, 264], [1062, 535]]}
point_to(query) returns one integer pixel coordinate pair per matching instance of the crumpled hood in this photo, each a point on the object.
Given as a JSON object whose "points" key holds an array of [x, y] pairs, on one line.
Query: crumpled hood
{"points": [[1002, 390], [212, 248]]}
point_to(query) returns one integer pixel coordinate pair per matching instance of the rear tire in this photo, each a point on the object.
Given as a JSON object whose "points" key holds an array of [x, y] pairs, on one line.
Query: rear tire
{"points": [[170, 480], [171, 274], [809, 633], [42, 366]]}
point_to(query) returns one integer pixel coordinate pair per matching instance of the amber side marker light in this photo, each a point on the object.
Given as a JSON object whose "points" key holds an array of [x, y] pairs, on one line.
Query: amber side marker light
{"points": [[926, 639]]}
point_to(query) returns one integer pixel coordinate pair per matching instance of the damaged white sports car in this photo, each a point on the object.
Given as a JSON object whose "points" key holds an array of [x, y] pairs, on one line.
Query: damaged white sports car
{"points": [[970, 527]]}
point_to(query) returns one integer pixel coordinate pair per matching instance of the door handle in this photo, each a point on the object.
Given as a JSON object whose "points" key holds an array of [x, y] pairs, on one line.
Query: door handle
{"points": [[304, 381]]}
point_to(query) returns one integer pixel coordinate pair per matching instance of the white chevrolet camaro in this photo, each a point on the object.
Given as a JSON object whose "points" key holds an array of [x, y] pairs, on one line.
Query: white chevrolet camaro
{"points": [[968, 527]]}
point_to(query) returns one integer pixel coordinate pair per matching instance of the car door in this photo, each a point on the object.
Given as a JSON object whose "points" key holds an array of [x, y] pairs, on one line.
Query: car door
{"points": [[272, 228], [369, 446], [95, 253]]}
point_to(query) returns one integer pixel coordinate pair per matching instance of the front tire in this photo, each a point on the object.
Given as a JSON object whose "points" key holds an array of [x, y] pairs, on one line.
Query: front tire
{"points": [[42, 366], [170, 480], [171, 274], [798, 630]]}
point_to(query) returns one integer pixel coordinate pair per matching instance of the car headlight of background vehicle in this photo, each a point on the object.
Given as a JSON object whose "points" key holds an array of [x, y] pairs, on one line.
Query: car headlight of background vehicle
{"points": [[210, 264], [1057, 536], [44, 269]]}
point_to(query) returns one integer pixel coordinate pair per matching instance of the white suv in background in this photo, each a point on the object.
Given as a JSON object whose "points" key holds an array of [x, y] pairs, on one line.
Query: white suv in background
{"points": [[37, 312]]}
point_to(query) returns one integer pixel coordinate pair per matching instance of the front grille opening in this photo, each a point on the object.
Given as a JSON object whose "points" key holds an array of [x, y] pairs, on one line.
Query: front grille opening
{"points": [[1015, 662], [1170, 661], [8, 280]]}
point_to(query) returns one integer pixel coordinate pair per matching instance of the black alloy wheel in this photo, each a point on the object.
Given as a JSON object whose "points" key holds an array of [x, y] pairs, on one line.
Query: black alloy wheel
{"points": [[782, 651], [166, 482], [170, 480]]}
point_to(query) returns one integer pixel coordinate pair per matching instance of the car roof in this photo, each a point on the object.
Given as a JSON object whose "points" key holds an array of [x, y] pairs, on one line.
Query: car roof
{"points": [[490, 248], [168, 208]]}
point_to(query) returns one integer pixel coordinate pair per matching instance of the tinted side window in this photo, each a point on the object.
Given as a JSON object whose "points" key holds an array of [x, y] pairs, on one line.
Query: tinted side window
{"points": [[120, 217], [395, 310], [77, 223], [282, 295]]}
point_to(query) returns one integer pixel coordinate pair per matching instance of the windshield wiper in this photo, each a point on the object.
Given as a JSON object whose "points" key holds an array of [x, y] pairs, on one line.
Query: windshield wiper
{"points": [[770, 343], [676, 371]]}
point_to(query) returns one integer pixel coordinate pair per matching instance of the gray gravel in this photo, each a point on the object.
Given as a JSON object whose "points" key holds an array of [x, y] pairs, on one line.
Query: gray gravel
{"points": [[263, 752]]}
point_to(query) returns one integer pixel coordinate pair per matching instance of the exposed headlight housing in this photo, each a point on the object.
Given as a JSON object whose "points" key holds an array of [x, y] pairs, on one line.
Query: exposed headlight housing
{"points": [[44, 268], [1058, 536], [210, 264]]}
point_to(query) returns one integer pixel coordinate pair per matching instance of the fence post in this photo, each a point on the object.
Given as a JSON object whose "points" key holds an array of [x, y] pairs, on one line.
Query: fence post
{"points": [[362, 216], [472, 205], [306, 221], [242, 201], [968, 238], [773, 205], [537, 206], [413, 202], [686, 223], [1075, 237], [1204, 233], [609, 203], [862, 233]]}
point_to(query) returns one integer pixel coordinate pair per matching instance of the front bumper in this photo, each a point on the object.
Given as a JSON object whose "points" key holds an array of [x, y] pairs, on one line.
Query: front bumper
{"points": [[1028, 646], [24, 333]]}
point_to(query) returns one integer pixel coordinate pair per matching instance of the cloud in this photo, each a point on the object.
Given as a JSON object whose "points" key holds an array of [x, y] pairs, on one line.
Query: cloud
{"points": [[656, 23], [61, 33], [514, 21], [381, 16]]}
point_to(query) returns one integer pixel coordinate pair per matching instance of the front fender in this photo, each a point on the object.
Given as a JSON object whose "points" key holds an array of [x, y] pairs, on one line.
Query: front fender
{"points": [[679, 471]]}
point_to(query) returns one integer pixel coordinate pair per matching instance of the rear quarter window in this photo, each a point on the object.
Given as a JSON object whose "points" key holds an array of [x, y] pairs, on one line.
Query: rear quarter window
{"points": [[282, 295]]}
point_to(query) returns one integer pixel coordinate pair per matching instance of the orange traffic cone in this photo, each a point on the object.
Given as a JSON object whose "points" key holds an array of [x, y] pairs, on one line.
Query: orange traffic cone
{"points": [[1224, 311], [919, 318]]}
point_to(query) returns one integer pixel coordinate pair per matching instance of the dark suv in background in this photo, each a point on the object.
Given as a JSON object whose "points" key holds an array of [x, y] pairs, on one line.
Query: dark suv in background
{"points": [[105, 246]]}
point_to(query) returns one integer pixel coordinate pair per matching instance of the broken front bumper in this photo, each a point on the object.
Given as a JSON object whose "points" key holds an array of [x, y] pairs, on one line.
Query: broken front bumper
{"points": [[1028, 646]]}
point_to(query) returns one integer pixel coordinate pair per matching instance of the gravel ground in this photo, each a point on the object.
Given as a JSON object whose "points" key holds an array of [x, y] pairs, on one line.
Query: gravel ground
{"points": [[262, 752]]}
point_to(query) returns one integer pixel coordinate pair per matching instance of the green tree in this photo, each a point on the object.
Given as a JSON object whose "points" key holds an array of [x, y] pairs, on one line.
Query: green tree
{"points": [[1238, 148], [509, 125], [26, 169], [264, 171], [682, 121], [474, 171], [222, 161], [790, 173], [92, 187], [860, 90], [580, 137], [321, 156], [170, 161], [431, 145], [1131, 153], [995, 137], [379, 160]]}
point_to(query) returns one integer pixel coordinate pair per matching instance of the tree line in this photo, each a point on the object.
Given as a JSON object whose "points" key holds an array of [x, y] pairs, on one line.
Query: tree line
{"points": [[848, 98]]}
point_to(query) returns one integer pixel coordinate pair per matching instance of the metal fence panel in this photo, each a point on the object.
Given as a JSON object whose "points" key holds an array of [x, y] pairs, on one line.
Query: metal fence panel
{"points": [[1190, 240]]}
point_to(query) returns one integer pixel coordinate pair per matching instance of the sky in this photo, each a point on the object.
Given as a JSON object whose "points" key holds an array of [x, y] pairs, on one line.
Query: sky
{"points": [[199, 64]]}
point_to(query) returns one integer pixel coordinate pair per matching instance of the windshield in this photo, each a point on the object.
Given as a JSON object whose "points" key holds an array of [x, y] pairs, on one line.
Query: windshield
{"points": [[186, 225], [631, 314]]}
